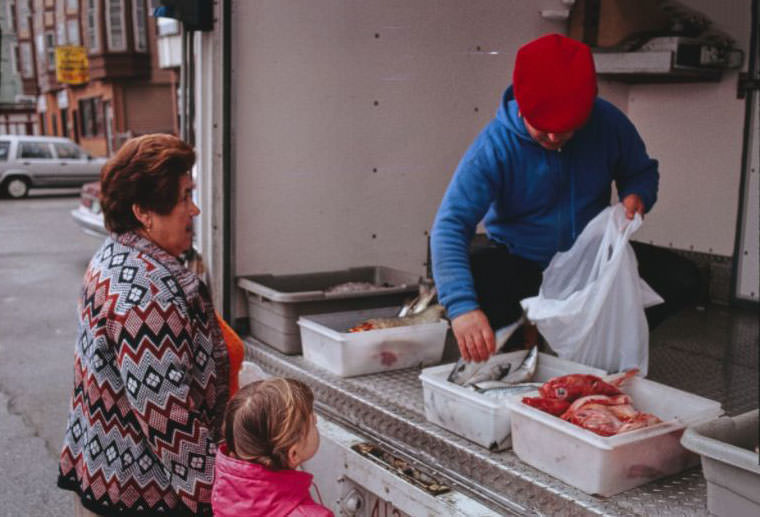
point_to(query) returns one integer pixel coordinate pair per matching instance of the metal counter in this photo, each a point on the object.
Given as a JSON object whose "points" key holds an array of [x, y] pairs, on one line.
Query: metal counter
{"points": [[388, 409]]}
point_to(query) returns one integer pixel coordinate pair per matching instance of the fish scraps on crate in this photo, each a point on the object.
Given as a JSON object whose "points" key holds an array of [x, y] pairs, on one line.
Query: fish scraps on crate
{"points": [[353, 287], [430, 315]]}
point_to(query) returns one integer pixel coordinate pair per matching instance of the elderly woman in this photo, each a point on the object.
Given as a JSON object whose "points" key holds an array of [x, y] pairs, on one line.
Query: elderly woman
{"points": [[150, 365]]}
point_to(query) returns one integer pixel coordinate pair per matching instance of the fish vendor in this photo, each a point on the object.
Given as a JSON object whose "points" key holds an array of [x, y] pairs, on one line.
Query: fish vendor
{"points": [[536, 175]]}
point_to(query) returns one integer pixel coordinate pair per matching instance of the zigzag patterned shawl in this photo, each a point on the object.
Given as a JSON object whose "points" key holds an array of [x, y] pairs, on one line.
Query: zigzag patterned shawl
{"points": [[150, 385]]}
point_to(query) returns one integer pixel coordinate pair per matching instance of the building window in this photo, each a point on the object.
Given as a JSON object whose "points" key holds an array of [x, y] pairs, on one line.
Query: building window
{"points": [[93, 39], [72, 6], [15, 59], [27, 64], [141, 36], [23, 16], [38, 21], [60, 29], [50, 49], [12, 14], [60, 14], [39, 47], [115, 25], [91, 117], [72, 27], [64, 128]]}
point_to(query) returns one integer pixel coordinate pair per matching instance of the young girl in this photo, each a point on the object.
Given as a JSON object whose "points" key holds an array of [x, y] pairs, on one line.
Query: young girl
{"points": [[270, 429]]}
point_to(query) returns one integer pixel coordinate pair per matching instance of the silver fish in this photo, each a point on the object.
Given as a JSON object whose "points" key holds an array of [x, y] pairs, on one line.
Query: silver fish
{"points": [[465, 373], [491, 370], [427, 292], [506, 390], [526, 370], [488, 385]]}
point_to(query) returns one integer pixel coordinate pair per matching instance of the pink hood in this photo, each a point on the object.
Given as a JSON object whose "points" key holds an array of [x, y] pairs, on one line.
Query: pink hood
{"points": [[243, 489]]}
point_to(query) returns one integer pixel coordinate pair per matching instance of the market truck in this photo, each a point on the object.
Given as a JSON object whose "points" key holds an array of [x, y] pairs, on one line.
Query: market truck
{"points": [[327, 132]]}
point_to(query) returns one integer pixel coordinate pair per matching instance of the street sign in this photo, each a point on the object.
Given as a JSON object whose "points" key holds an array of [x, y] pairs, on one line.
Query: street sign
{"points": [[71, 66]]}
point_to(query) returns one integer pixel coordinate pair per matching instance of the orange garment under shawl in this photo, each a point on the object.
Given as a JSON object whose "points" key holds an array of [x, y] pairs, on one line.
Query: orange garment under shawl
{"points": [[235, 350]]}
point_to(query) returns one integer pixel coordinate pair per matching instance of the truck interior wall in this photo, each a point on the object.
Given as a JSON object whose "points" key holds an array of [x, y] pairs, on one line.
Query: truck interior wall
{"points": [[696, 130], [350, 117]]}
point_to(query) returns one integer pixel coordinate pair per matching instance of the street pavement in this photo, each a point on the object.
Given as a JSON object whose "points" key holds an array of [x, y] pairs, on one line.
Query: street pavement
{"points": [[43, 255]]}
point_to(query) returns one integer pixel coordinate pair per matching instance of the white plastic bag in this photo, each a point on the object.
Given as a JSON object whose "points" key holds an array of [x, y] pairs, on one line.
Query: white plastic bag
{"points": [[590, 307]]}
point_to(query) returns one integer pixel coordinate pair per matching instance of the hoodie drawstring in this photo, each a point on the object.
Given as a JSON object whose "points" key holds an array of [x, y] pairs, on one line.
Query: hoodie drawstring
{"points": [[572, 203]]}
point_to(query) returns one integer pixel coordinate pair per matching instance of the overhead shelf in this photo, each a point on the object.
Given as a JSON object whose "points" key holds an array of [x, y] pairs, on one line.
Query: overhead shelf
{"points": [[650, 66]]}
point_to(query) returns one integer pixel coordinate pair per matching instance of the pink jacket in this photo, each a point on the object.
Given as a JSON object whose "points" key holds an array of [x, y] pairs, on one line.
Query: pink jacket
{"points": [[243, 489]]}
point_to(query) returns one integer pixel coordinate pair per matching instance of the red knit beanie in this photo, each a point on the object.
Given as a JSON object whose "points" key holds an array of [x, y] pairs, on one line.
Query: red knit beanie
{"points": [[555, 83]]}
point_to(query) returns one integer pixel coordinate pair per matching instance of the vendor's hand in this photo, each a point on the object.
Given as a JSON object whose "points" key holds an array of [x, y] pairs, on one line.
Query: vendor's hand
{"points": [[474, 335], [633, 205]]}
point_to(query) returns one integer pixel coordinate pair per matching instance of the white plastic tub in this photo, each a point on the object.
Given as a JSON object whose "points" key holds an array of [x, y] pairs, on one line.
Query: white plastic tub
{"points": [[729, 463], [474, 416], [326, 343], [275, 302], [609, 465]]}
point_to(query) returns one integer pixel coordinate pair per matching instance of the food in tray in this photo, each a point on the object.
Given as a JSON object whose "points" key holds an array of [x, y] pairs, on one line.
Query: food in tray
{"points": [[497, 369], [499, 390], [430, 315], [353, 287], [607, 415], [556, 395], [592, 403], [466, 373], [510, 382]]}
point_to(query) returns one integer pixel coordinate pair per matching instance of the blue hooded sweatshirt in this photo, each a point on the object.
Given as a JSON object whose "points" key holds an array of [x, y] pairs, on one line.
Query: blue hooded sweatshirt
{"points": [[534, 201]]}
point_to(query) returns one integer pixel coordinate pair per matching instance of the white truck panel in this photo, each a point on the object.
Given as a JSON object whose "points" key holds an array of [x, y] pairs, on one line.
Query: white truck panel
{"points": [[338, 471]]}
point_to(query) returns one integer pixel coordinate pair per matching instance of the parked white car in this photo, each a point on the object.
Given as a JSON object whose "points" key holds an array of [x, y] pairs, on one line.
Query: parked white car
{"points": [[28, 161], [88, 215]]}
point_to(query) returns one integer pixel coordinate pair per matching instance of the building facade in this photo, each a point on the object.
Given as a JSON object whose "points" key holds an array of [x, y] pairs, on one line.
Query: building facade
{"points": [[128, 93], [17, 111]]}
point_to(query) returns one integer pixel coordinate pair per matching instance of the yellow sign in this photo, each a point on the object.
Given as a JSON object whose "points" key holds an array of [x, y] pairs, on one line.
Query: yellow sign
{"points": [[71, 66]]}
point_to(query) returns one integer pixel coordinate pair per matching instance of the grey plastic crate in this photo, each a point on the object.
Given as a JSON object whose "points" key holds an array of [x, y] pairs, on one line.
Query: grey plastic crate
{"points": [[729, 463], [275, 302]]}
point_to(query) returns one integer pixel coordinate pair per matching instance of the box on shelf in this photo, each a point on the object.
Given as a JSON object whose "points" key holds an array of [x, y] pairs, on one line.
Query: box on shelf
{"points": [[609, 465], [327, 344], [730, 464], [475, 416], [275, 302]]}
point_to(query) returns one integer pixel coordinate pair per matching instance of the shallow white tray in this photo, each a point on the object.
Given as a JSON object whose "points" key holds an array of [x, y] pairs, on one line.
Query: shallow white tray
{"points": [[326, 343], [475, 416]]}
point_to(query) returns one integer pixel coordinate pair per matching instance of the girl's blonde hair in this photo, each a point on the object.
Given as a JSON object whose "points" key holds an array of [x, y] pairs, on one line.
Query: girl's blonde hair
{"points": [[265, 419]]}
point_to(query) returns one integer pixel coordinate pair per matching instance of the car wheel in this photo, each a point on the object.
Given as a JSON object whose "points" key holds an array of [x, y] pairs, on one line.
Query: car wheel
{"points": [[16, 187]]}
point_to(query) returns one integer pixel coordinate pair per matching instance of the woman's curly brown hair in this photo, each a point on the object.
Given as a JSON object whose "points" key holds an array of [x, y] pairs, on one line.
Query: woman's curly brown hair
{"points": [[265, 419], [144, 171]]}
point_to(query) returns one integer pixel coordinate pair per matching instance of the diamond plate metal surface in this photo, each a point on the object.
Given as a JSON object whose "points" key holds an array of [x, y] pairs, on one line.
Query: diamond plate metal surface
{"points": [[388, 408], [713, 353]]}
